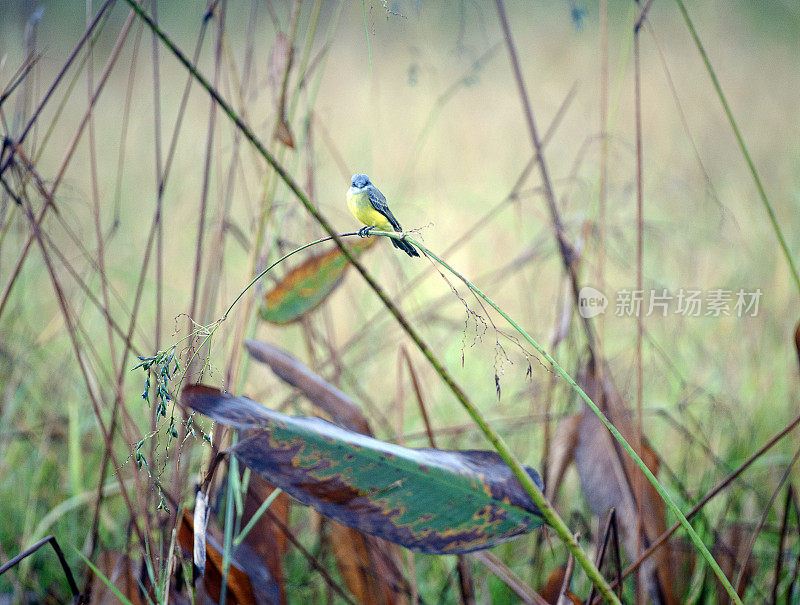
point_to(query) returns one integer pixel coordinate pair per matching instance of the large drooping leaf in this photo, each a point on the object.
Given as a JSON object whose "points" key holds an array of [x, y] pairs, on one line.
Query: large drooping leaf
{"points": [[306, 286], [434, 501]]}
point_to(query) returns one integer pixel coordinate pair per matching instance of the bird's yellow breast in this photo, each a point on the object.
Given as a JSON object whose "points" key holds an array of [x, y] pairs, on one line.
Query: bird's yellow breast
{"points": [[362, 209]]}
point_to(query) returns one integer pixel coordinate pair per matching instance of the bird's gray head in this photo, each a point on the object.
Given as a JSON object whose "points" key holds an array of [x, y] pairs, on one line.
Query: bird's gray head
{"points": [[359, 181]]}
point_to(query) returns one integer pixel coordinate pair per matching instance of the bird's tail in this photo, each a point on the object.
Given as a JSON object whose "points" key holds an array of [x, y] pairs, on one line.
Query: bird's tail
{"points": [[405, 247]]}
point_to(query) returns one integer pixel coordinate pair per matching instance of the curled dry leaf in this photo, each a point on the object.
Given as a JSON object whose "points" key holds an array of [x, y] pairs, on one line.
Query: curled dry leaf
{"points": [[240, 588], [562, 453], [332, 401], [284, 133], [608, 476], [199, 532], [369, 567], [551, 592], [266, 539]]}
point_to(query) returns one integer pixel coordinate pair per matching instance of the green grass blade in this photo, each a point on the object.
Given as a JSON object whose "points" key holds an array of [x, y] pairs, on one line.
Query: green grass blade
{"points": [[739, 139], [105, 580]]}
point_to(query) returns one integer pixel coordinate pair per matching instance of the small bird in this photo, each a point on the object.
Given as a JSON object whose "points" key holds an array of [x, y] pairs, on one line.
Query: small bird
{"points": [[369, 206]]}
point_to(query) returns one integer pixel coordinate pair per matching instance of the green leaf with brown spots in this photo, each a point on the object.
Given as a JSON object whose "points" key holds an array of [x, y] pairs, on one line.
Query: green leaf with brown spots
{"points": [[434, 501], [306, 286]]}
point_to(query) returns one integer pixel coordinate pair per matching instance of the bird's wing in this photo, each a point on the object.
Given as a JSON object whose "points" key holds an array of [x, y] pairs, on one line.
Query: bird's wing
{"points": [[378, 202]]}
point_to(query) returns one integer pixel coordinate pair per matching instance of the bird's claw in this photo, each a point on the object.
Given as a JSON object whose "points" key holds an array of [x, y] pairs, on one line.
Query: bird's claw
{"points": [[364, 231]]}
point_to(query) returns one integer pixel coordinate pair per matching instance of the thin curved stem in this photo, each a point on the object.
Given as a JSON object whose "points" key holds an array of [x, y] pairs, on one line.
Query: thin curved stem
{"points": [[278, 262], [740, 140]]}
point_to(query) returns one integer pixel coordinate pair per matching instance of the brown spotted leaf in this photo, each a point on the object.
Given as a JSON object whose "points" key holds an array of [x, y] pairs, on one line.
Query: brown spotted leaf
{"points": [[307, 286], [434, 501]]}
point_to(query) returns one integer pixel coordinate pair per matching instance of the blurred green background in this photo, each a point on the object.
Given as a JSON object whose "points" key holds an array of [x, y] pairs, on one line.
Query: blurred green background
{"points": [[421, 97]]}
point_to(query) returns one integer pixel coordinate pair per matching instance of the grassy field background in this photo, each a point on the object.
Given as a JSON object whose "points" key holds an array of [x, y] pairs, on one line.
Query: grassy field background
{"points": [[422, 98]]}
